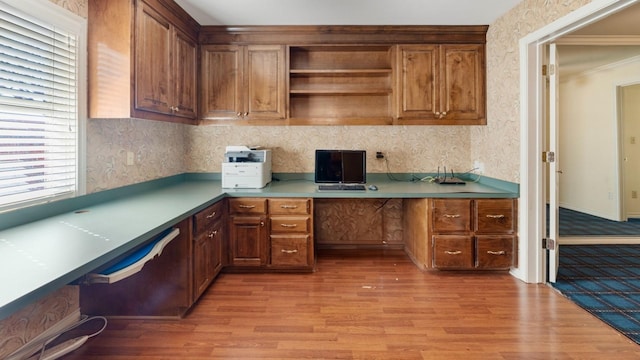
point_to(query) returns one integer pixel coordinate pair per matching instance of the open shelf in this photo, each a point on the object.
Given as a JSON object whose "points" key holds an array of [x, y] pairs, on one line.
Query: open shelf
{"points": [[341, 84]]}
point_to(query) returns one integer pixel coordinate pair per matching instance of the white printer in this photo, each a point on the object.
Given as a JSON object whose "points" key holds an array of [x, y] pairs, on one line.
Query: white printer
{"points": [[246, 167]]}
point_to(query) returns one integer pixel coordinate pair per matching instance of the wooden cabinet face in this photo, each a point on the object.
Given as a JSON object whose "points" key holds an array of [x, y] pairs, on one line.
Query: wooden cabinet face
{"points": [[463, 84], [453, 252], [243, 82], [452, 215], [248, 240], [265, 82], [441, 84], [185, 70], [222, 81], [495, 216], [153, 68], [419, 72], [290, 250], [494, 252]]}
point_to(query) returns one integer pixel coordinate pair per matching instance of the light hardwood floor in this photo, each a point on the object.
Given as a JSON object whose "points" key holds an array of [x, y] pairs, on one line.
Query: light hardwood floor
{"points": [[368, 306]]}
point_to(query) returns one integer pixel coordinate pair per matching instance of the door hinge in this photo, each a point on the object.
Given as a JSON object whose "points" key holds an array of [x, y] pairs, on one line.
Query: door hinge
{"points": [[548, 244], [544, 70], [548, 156]]}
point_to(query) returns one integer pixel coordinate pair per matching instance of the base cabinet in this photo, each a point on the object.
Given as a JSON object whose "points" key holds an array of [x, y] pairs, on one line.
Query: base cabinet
{"points": [[473, 233], [208, 239], [271, 234]]}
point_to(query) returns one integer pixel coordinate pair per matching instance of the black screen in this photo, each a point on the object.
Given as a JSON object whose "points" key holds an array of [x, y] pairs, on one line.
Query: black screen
{"points": [[341, 166]]}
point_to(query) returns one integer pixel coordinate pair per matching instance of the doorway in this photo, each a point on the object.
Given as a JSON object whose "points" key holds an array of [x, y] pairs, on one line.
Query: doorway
{"points": [[533, 130]]}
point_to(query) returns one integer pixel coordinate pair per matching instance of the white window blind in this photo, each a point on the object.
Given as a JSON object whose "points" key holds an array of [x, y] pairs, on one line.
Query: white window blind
{"points": [[38, 110]]}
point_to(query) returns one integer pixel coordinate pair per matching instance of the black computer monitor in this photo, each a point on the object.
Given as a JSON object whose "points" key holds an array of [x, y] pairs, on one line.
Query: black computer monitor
{"points": [[341, 166]]}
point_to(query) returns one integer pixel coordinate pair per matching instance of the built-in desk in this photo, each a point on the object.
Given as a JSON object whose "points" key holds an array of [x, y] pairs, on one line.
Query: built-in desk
{"points": [[45, 247]]}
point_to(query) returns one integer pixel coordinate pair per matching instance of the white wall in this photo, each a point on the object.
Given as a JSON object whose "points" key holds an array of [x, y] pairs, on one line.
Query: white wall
{"points": [[588, 152]]}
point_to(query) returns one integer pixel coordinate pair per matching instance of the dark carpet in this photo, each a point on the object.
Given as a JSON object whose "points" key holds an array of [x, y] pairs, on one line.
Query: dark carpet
{"points": [[604, 280], [574, 223]]}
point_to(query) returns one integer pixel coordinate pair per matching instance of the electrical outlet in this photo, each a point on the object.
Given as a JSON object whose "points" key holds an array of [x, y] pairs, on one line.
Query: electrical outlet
{"points": [[379, 155], [130, 158], [479, 167]]}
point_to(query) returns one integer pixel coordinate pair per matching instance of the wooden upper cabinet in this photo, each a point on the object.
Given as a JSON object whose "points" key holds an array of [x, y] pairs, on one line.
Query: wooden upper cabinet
{"points": [[243, 82], [152, 61], [142, 60], [441, 84]]}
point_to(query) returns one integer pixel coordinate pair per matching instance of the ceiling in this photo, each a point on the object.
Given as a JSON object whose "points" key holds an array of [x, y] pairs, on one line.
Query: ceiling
{"points": [[346, 12], [573, 58]]}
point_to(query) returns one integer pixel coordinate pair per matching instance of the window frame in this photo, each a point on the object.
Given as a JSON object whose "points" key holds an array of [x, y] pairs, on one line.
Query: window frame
{"points": [[56, 15]]}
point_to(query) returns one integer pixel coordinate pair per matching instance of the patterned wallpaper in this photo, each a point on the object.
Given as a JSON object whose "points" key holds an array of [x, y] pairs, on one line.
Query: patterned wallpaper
{"points": [[497, 145], [407, 148]]}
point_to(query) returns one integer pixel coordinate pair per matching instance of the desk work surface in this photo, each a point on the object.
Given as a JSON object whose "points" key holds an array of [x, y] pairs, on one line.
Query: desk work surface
{"points": [[37, 257]]}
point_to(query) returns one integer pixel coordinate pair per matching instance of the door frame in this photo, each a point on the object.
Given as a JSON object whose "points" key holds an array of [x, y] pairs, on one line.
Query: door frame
{"points": [[532, 212]]}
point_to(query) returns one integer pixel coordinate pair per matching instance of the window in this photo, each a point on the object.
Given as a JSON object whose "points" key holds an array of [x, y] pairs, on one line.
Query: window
{"points": [[41, 103]]}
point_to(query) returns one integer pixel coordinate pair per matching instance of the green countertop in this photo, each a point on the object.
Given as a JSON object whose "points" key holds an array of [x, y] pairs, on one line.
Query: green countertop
{"points": [[45, 247]]}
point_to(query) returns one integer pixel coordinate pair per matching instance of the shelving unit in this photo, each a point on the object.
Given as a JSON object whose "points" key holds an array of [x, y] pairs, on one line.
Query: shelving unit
{"points": [[336, 84]]}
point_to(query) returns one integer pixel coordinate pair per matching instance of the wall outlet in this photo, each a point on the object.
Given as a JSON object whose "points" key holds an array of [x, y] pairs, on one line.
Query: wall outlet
{"points": [[379, 155], [479, 167], [130, 158]]}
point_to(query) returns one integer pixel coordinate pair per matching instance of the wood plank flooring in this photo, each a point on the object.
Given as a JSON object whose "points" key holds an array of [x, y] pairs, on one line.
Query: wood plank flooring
{"points": [[373, 305]]}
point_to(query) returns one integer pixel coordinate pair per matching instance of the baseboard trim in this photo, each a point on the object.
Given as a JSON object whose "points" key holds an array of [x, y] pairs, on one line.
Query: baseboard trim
{"points": [[599, 240], [34, 344]]}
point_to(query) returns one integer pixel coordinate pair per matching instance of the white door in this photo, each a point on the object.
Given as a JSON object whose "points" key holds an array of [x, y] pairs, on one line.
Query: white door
{"points": [[552, 160]]}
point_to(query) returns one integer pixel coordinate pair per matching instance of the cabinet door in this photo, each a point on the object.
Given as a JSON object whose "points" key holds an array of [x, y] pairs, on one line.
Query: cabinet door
{"points": [[265, 82], [222, 85], [185, 60], [248, 240], [152, 61], [463, 83], [201, 264], [418, 95]]}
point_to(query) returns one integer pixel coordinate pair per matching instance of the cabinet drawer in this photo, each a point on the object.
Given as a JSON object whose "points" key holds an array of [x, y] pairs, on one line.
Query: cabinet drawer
{"points": [[289, 206], [453, 252], [451, 215], [247, 206], [290, 250], [205, 218], [291, 224], [495, 216], [494, 252]]}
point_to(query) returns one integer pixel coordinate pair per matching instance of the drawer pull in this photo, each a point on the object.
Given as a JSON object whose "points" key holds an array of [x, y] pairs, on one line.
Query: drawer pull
{"points": [[457, 252], [501, 252], [289, 206], [499, 216], [284, 251], [453, 216], [213, 233], [242, 206], [211, 215], [289, 225]]}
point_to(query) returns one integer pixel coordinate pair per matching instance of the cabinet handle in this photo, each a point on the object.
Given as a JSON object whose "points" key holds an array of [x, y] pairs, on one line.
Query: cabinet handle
{"points": [[284, 251], [246, 206], [289, 206], [453, 216], [457, 252], [501, 252], [245, 114], [239, 114], [213, 233], [289, 225], [211, 215], [499, 216], [262, 223]]}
